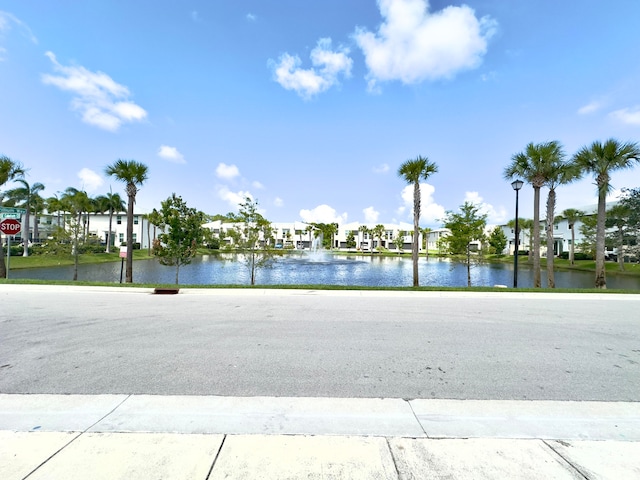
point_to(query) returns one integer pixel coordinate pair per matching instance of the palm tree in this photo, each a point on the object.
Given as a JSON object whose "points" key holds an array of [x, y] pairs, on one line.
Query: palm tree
{"points": [[378, 231], [53, 204], [600, 160], [23, 197], [533, 166], [412, 171], [425, 233], [559, 172], [367, 231], [76, 202], [9, 170], [618, 218], [114, 204], [572, 215], [133, 174]]}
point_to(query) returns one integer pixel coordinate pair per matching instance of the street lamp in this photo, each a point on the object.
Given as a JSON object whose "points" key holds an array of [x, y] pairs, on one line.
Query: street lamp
{"points": [[517, 185]]}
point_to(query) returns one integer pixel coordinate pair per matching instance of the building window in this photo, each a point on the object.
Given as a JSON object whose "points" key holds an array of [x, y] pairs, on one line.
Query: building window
{"points": [[119, 220], [135, 237], [121, 237], [135, 220]]}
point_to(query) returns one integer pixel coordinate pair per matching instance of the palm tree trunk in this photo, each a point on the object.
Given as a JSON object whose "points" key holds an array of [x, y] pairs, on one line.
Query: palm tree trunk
{"points": [[536, 237], [416, 232], [25, 235], [551, 204], [468, 266], [131, 202], [573, 241], [620, 252], [601, 281], [108, 249]]}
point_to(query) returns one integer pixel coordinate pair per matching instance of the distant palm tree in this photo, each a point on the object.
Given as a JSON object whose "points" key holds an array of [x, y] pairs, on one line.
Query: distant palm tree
{"points": [[559, 172], [112, 203], [600, 160], [22, 196], [533, 165], [378, 231], [618, 217], [9, 171], [572, 215], [412, 171], [425, 233], [76, 202], [133, 174]]}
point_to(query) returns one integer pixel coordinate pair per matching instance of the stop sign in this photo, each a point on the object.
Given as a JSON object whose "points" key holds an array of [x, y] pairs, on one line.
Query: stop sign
{"points": [[10, 226]]}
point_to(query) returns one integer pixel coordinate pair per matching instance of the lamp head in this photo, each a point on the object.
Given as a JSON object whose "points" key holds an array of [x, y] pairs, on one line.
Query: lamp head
{"points": [[517, 184]]}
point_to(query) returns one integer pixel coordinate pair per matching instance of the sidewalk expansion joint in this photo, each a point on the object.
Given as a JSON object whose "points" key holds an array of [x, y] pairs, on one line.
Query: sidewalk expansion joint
{"points": [[393, 458], [76, 437], [417, 419], [566, 460], [224, 438]]}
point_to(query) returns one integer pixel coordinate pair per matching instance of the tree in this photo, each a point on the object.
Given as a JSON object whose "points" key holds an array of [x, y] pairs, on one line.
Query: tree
{"points": [[367, 231], [399, 240], [378, 231], [114, 204], [558, 172], [183, 233], [9, 171], [572, 215], [466, 227], [497, 240], [76, 202], [631, 200], [24, 197], [600, 160], [425, 235], [250, 233], [133, 174], [412, 171], [618, 218], [351, 240], [534, 165], [588, 230]]}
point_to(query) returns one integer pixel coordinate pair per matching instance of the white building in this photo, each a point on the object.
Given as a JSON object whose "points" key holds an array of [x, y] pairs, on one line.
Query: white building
{"points": [[97, 225]]}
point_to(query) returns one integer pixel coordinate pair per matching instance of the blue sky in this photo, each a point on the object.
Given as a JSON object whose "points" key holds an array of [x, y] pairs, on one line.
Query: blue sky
{"points": [[310, 106]]}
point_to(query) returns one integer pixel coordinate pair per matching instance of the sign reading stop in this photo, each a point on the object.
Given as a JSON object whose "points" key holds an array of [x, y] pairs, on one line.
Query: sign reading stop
{"points": [[10, 226]]}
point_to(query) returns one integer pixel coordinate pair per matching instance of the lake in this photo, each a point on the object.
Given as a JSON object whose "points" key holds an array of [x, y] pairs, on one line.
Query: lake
{"points": [[326, 269]]}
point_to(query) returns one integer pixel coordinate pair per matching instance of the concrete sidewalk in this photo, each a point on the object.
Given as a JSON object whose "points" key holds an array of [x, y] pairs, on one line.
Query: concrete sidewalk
{"points": [[181, 437]]}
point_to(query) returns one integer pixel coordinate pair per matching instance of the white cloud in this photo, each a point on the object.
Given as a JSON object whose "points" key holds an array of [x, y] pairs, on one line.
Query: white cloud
{"points": [[323, 214], [590, 108], [370, 215], [7, 19], [495, 216], [278, 202], [430, 211], [233, 198], [629, 116], [328, 65], [384, 168], [256, 184], [101, 101], [227, 172], [251, 17], [90, 180], [171, 153], [413, 44]]}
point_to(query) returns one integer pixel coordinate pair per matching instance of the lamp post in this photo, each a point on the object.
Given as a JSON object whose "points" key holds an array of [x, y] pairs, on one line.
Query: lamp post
{"points": [[517, 185]]}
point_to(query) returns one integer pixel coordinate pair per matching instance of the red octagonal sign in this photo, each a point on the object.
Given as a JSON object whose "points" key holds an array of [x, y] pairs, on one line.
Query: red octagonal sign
{"points": [[10, 226]]}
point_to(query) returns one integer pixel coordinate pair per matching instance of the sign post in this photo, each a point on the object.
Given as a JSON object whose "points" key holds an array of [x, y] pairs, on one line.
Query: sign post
{"points": [[123, 255], [10, 227]]}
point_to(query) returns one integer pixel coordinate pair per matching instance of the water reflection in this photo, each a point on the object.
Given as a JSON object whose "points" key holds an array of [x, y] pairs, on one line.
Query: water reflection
{"points": [[357, 270]]}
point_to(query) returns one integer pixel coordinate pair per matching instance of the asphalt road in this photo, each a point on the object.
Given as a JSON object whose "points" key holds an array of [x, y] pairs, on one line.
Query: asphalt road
{"points": [[509, 345]]}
